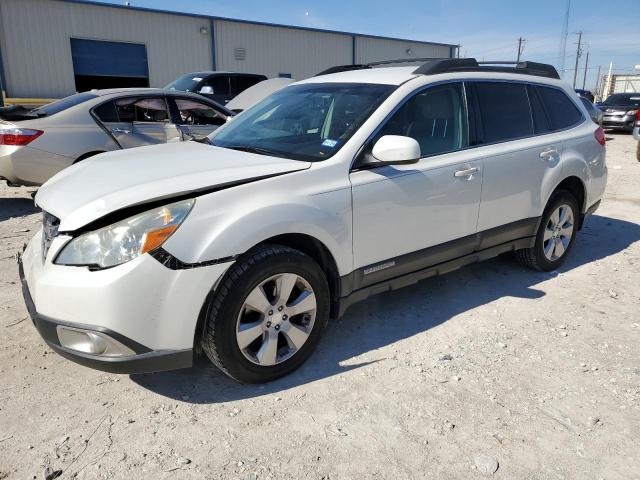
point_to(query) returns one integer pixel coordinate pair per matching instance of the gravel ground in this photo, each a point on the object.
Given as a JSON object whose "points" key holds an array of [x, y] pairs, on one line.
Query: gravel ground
{"points": [[493, 366]]}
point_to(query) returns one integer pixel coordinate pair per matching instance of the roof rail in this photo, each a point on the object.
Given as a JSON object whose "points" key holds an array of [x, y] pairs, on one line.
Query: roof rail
{"points": [[449, 65], [363, 66]]}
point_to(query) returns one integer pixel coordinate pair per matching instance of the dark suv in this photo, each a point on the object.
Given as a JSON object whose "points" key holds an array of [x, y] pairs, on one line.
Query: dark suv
{"points": [[218, 86], [620, 111]]}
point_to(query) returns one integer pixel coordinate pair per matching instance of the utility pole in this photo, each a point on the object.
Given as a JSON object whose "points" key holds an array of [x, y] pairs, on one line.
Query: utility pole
{"points": [[597, 89], [586, 66], [578, 54], [521, 42]]}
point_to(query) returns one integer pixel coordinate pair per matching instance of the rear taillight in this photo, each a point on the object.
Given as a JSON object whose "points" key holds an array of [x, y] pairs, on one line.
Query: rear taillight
{"points": [[638, 118], [599, 134], [18, 137]]}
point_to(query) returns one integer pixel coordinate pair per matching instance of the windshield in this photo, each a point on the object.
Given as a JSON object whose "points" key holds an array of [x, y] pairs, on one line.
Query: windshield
{"points": [[185, 83], [626, 99], [60, 105], [308, 122]]}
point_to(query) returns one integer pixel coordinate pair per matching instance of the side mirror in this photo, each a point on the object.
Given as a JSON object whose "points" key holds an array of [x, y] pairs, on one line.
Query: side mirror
{"points": [[206, 90], [395, 150]]}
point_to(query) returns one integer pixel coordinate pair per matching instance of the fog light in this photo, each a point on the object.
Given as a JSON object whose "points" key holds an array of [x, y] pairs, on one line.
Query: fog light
{"points": [[94, 343]]}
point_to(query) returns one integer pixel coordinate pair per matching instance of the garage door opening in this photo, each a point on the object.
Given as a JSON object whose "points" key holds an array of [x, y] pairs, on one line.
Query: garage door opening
{"points": [[100, 64]]}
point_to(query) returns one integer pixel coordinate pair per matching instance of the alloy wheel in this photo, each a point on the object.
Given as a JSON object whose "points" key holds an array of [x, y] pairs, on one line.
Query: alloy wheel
{"points": [[276, 319], [558, 233]]}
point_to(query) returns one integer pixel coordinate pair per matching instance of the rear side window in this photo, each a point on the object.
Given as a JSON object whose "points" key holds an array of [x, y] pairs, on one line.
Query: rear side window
{"points": [[106, 112], [562, 111], [504, 110], [587, 104]]}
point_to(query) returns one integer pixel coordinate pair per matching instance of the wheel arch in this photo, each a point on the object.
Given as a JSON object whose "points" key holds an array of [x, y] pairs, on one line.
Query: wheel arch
{"points": [[578, 189], [308, 245]]}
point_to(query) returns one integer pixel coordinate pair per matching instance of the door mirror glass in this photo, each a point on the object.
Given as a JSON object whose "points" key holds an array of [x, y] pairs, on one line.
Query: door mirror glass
{"points": [[206, 90], [395, 150]]}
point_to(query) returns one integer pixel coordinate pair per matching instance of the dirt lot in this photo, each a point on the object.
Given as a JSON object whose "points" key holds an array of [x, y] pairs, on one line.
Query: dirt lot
{"points": [[538, 372]]}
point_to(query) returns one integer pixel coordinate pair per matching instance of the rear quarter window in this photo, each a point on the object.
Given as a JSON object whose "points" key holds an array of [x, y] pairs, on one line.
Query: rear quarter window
{"points": [[504, 111], [562, 112], [106, 112]]}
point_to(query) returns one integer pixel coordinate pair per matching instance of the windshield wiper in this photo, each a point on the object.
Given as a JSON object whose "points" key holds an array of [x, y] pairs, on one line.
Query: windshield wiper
{"points": [[258, 150]]}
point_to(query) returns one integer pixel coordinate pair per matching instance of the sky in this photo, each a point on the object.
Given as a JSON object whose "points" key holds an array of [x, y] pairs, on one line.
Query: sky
{"points": [[485, 29]]}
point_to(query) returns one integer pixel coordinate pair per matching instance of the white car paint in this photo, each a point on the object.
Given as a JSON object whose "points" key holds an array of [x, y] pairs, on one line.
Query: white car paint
{"points": [[254, 94], [362, 217]]}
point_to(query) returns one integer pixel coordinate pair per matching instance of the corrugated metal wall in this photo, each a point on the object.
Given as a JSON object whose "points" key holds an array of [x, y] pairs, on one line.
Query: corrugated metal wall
{"points": [[35, 42], [37, 53], [369, 49], [275, 50]]}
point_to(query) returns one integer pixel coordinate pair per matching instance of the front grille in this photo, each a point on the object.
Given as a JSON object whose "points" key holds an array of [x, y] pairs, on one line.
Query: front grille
{"points": [[50, 226]]}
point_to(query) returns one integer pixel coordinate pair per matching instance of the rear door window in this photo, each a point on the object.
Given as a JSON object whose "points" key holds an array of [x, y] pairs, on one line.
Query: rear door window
{"points": [[149, 110], [504, 111], [563, 113]]}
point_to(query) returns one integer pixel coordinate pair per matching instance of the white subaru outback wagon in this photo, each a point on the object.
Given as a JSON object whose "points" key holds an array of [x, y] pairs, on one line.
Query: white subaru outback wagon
{"points": [[356, 181]]}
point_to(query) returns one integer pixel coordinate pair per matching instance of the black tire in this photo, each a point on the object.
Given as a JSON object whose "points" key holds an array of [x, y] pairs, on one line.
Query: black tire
{"points": [[534, 257], [221, 315]]}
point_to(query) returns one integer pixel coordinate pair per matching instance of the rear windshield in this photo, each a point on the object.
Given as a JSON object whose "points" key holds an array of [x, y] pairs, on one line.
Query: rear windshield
{"points": [[626, 99], [63, 104], [185, 83]]}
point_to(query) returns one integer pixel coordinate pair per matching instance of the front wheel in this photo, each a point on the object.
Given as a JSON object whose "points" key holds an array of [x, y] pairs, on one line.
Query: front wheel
{"points": [[267, 315], [556, 234]]}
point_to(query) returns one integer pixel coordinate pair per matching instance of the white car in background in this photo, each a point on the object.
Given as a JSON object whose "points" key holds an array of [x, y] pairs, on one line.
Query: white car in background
{"points": [[332, 189], [36, 144]]}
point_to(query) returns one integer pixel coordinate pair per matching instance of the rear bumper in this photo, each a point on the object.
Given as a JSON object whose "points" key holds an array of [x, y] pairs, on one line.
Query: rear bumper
{"points": [[29, 166], [144, 360]]}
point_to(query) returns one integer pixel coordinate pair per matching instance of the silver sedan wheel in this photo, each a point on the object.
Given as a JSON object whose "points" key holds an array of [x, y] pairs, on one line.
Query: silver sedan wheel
{"points": [[558, 233], [276, 319]]}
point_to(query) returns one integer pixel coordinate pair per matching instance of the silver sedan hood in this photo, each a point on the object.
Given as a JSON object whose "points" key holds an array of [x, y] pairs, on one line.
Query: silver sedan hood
{"points": [[109, 182]]}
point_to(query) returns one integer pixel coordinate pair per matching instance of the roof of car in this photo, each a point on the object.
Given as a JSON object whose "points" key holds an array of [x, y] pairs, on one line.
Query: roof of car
{"points": [[112, 91], [386, 76], [400, 75]]}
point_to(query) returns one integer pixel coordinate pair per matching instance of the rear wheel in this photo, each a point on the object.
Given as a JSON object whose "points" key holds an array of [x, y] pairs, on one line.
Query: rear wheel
{"points": [[556, 234], [267, 315]]}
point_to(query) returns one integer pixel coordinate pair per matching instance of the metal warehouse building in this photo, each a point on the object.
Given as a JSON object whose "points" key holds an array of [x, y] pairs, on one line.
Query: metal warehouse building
{"points": [[52, 48]]}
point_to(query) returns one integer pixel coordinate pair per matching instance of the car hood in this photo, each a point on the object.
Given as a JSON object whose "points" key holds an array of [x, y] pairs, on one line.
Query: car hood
{"points": [[111, 181], [616, 108], [256, 93]]}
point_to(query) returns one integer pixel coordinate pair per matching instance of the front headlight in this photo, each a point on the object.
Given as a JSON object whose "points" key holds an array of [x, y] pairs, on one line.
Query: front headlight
{"points": [[125, 240], [632, 112]]}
